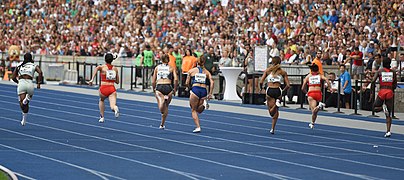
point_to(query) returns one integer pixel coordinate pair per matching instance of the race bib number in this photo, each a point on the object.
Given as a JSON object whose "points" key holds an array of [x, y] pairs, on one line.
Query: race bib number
{"points": [[200, 78], [163, 72], [27, 70], [110, 75], [315, 80], [387, 76]]}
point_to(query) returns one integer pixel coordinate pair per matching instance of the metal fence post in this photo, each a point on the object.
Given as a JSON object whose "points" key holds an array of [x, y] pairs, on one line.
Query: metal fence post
{"points": [[78, 71], [121, 79], [131, 78], [301, 95], [356, 104]]}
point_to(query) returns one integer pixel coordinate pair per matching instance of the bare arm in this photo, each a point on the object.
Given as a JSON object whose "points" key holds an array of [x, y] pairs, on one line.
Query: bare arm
{"points": [[287, 82], [15, 75], [374, 80], [154, 79], [328, 82], [98, 68], [263, 79], [304, 84], [40, 77], [188, 79], [117, 75]]}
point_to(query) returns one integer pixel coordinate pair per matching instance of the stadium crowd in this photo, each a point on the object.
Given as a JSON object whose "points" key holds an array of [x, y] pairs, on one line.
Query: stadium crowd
{"points": [[295, 30]]}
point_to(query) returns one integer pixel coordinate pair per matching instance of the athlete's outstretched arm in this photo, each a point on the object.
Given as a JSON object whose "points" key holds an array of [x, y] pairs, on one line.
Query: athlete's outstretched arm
{"points": [[263, 79], [154, 79], [15, 75], [188, 79], [304, 84], [287, 82], [98, 68], [117, 75], [40, 77]]}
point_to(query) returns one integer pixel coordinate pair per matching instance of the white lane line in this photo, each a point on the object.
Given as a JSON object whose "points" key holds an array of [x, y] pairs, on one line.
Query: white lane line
{"points": [[8, 172], [191, 144], [288, 150], [94, 172], [291, 141], [246, 143], [235, 117], [189, 175], [24, 176]]}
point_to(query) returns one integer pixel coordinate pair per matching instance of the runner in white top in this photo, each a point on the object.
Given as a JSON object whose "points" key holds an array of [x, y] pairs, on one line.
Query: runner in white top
{"points": [[23, 76], [162, 77]]}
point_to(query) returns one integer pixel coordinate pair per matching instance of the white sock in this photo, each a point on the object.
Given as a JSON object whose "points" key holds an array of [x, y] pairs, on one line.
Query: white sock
{"points": [[116, 109], [24, 116]]}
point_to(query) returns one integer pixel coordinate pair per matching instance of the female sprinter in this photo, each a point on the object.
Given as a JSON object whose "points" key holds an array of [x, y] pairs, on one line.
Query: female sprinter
{"points": [[275, 76], [388, 82], [314, 80], [23, 75], [162, 76], [109, 76], [199, 95]]}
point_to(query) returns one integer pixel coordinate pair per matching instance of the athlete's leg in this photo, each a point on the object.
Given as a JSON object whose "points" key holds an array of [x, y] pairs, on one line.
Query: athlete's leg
{"points": [[195, 104], [273, 112], [112, 104], [389, 103], [101, 105], [162, 107], [24, 108], [314, 109]]}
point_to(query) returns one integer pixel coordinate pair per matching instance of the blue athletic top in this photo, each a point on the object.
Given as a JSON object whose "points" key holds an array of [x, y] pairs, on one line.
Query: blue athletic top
{"points": [[199, 77]]}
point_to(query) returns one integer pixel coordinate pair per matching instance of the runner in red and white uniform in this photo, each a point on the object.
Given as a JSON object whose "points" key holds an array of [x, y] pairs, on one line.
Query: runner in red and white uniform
{"points": [[314, 95], [384, 100], [109, 76]]}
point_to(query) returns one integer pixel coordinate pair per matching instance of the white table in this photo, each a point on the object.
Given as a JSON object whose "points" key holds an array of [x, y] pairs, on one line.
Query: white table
{"points": [[230, 75]]}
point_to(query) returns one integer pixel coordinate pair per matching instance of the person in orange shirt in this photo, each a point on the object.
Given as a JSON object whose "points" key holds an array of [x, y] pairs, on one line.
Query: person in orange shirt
{"points": [[317, 61], [188, 62], [171, 57]]}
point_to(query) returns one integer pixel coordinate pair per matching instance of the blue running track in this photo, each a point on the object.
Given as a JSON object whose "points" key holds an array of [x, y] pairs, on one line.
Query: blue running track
{"points": [[63, 140]]}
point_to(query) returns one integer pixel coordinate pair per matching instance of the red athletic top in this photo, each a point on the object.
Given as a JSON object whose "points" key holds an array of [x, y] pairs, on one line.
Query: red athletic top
{"points": [[111, 74], [315, 80], [386, 77]]}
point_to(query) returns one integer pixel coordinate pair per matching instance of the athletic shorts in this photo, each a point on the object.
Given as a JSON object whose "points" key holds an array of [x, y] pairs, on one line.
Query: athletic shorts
{"points": [[316, 95], [357, 69], [274, 92], [107, 90], [199, 91], [165, 89], [385, 94], [25, 86]]}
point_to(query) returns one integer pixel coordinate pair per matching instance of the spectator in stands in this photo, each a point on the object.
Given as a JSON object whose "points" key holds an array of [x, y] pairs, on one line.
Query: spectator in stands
{"points": [[211, 58], [332, 94], [2, 68], [357, 65], [317, 61], [346, 84], [376, 63], [189, 61]]}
